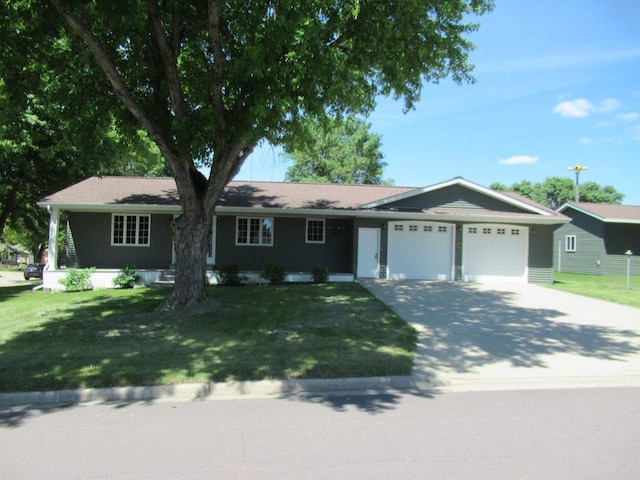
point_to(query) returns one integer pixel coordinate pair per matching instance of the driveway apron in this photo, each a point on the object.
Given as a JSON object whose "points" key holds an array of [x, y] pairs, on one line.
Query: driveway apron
{"points": [[512, 336]]}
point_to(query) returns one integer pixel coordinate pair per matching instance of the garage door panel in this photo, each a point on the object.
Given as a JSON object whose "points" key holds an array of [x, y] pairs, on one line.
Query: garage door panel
{"points": [[494, 253], [420, 251]]}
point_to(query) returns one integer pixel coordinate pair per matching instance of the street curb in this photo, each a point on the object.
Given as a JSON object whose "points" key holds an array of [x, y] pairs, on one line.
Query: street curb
{"points": [[204, 391]]}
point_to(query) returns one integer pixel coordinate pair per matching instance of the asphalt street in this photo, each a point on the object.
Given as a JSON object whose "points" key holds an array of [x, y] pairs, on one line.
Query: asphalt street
{"points": [[529, 434]]}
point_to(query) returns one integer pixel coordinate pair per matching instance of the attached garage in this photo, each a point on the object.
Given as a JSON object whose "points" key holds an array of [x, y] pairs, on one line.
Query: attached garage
{"points": [[494, 252], [420, 250]]}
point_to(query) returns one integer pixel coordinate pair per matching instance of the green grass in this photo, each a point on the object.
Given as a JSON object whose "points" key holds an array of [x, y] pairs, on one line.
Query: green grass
{"points": [[604, 287], [121, 337]]}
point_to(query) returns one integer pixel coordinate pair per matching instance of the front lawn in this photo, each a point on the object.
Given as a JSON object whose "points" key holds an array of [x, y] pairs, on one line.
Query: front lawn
{"points": [[611, 288], [119, 337]]}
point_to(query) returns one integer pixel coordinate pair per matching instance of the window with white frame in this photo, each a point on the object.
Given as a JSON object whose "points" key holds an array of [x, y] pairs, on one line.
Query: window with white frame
{"points": [[130, 230], [254, 231], [315, 231], [570, 243]]}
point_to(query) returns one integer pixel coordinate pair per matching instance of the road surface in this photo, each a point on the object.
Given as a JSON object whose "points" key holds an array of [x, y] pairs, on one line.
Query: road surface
{"points": [[529, 434]]}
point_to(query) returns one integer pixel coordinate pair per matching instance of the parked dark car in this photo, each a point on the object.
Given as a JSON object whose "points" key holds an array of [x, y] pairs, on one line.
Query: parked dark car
{"points": [[33, 270]]}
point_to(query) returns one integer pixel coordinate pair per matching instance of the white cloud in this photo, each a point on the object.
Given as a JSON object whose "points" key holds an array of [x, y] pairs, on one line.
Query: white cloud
{"points": [[629, 116], [518, 159], [578, 108], [608, 105], [586, 140], [635, 132], [581, 107]]}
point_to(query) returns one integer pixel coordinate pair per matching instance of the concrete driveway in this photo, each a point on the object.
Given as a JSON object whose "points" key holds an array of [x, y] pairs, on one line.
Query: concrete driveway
{"points": [[511, 336]]}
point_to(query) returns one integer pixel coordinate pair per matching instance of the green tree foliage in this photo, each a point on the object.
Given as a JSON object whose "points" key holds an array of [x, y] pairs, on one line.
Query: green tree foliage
{"points": [[556, 191], [208, 80], [336, 150], [50, 135]]}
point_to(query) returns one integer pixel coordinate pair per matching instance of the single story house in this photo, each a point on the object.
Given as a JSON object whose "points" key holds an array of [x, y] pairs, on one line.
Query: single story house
{"points": [[14, 254], [454, 230], [597, 238]]}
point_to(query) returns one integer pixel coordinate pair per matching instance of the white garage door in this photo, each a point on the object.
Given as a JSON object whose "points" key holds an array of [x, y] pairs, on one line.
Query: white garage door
{"points": [[420, 251], [494, 253]]}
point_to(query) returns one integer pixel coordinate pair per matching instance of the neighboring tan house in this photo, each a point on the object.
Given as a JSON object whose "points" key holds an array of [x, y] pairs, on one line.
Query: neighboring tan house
{"points": [[454, 230], [597, 238]]}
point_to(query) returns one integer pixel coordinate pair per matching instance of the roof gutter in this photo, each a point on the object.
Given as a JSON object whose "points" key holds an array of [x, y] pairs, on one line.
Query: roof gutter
{"points": [[439, 217]]}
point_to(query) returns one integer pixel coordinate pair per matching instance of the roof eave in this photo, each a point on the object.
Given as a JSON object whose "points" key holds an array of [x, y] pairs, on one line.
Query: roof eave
{"points": [[360, 213], [112, 207]]}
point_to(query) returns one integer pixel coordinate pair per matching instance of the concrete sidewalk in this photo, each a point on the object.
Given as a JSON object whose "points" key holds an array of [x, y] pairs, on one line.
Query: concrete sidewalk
{"points": [[514, 336]]}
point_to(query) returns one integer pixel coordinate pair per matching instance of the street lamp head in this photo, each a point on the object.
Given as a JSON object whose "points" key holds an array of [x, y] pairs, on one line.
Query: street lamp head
{"points": [[628, 253], [577, 168]]}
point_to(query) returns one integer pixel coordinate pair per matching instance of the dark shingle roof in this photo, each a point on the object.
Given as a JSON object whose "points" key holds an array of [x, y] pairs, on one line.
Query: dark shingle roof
{"points": [[162, 191]]}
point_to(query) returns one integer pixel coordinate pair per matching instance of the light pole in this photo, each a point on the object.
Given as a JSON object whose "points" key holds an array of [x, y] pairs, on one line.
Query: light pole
{"points": [[628, 253], [577, 168]]}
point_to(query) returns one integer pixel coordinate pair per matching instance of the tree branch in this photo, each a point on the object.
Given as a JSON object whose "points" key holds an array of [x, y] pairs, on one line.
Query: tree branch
{"points": [[219, 60], [117, 82], [169, 55]]}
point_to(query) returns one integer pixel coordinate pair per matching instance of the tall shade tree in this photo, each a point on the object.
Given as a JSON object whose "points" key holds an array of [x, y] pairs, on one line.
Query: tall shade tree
{"points": [[556, 191], [208, 79], [336, 150]]}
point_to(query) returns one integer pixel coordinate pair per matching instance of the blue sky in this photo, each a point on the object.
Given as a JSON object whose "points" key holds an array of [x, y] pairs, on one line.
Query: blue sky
{"points": [[558, 83]]}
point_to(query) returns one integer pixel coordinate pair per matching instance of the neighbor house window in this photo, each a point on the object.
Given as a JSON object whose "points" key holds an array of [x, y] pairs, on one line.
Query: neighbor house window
{"points": [[315, 231], [254, 231], [570, 243], [130, 230]]}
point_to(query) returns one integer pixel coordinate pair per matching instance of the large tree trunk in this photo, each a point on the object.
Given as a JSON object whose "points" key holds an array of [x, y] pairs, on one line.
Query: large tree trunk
{"points": [[190, 233]]}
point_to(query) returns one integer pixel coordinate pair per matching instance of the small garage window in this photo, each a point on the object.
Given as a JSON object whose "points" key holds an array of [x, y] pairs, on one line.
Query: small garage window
{"points": [[428, 228], [473, 230], [515, 231], [413, 228], [501, 231], [486, 231], [442, 229], [570, 243], [398, 228]]}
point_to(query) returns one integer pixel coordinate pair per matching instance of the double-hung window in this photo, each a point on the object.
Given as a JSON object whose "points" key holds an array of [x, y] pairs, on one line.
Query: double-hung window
{"points": [[315, 231], [254, 231], [570, 243], [130, 230]]}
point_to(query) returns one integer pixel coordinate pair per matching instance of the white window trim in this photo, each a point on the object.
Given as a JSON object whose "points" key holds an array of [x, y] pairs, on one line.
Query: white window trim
{"points": [[324, 230], [124, 233], [259, 244], [570, 243]]}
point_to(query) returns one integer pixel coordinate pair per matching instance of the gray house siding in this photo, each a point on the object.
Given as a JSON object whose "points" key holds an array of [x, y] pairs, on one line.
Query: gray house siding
{"points": [[600, 247], [540, 256], [91, 234], [289, 246], [455, 196], [618, 238]]}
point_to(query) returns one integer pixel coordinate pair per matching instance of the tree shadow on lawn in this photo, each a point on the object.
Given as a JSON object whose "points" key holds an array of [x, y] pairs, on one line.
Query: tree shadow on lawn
{"points": [[463, 328], [111, 340]]}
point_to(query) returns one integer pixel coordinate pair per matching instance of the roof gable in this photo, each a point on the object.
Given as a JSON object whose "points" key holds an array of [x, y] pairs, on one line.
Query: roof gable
{"points": [[606, 212], [483, 198]]}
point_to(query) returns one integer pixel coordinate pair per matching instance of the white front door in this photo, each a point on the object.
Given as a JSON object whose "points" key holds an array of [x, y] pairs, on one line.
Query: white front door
{"points": [[368, 253]]}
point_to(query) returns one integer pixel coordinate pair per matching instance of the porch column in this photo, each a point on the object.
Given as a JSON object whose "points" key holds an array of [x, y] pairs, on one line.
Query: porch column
{"points": [[54, 218]]}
